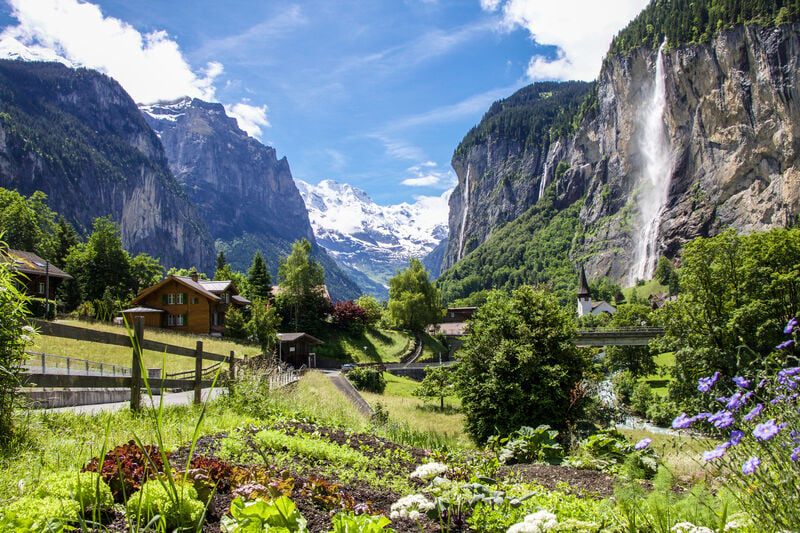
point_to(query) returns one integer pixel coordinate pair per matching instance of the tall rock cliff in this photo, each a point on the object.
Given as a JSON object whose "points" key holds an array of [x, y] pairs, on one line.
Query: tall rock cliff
{"points": [[673, 143], [244, 193], [77, 136]]}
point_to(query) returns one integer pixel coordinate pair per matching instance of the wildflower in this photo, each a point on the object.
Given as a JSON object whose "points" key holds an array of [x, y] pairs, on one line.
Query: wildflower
{"points": [[750, 465], [766, 431], [716, 453], [784, 345], [790, 326], [742, 383], [721, 419], [753, 413], [682, 421], [796, 454], [734, 402], [642, 444], [704, 384], [535, 523], [736, 437], [28, 329], [429, 471]]}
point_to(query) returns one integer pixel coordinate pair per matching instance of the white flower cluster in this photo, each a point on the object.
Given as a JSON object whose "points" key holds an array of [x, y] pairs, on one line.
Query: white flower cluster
{"points": [[688, 527], [412, 507], [535, 523], [429, 471]]}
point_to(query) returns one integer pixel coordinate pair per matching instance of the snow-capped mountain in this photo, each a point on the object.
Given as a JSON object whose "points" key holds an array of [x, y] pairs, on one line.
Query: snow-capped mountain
{"points": [[372, 241]]}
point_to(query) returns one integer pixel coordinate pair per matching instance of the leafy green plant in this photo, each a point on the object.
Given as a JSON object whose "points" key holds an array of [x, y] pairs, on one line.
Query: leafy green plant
{"points": [[155, 499], [349, 522], [31, 513], [528, 445], [126, 467], [279, 515], [311, 447], [86, 488]]}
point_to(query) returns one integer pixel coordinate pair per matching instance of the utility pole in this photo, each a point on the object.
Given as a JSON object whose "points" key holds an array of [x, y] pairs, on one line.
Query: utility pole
{"points": [[47, 289]]}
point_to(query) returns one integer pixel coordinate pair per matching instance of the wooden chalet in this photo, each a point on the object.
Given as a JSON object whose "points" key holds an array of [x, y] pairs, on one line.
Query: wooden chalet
{"points": [[37, 274], [186, 304], [295, 349], [322, 290]]}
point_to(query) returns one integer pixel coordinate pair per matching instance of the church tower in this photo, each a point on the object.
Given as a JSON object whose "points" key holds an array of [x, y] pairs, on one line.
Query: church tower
{"points": [[584, 296]]}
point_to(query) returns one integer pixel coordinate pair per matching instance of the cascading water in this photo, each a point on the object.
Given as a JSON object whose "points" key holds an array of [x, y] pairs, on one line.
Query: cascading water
{"points": [[653, 184], [464, 217], [543, 183]]}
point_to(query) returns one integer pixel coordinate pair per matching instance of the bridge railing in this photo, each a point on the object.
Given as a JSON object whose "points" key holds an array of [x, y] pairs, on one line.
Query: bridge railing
{"points": [[644, 330]]}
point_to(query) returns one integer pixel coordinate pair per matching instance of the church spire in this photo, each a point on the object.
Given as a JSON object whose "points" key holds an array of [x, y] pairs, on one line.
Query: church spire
{"points": [[583, 289]]}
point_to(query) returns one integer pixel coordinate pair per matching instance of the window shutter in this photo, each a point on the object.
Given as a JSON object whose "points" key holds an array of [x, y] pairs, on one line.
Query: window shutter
{"points": [[185, 298], [185, 319], [164, 299]]}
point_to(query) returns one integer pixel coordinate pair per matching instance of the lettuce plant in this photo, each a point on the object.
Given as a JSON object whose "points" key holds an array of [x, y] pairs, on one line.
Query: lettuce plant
{"points": [[279, 515]]}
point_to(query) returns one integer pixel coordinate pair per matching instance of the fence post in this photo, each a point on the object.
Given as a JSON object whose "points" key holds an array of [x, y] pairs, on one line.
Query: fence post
{"points": [[198, 372], [136, 364], [232, 366], [68, 366], [43, 365]]}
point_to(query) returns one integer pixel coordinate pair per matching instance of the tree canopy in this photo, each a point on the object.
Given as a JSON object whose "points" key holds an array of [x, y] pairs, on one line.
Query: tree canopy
{"points": [[258, 278], [414, 302], [300, 279], [518, 365]]}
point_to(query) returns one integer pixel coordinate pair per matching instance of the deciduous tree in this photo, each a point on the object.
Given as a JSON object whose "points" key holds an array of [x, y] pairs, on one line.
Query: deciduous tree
{"points": [[437, 384], [301, 279], [414, 302]]}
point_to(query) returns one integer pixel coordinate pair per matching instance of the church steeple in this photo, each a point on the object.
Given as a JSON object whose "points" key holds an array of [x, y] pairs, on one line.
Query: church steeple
{"points": [[583, 290]]}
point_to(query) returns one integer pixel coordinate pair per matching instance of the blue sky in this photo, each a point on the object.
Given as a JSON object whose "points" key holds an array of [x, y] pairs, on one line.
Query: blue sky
{"points": [[376, 93]]}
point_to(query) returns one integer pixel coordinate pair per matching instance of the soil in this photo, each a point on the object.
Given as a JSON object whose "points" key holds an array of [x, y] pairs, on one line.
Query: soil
{"points": [[586, 483]]}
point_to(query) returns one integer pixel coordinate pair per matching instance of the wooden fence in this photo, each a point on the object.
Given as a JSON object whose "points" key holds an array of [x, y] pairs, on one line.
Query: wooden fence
{"points": [[133, 381]]}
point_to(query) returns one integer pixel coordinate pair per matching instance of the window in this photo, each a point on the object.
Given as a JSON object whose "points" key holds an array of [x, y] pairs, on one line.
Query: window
{"points": [[176, 320], [195, 300], [170, 299], [216, 319], [180, 298], [227, 297], [41, 287]]}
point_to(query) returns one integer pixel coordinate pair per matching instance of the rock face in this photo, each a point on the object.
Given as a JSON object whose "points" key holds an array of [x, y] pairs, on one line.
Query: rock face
{"points": [[77, 136], [731, 129], [244, 193], [368, 240]]}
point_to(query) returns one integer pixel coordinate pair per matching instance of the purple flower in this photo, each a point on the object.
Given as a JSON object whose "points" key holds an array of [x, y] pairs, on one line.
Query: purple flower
{"points": [[750, 465], [721, 419], [796, 454], [762, 383], [642, 444], [736, 437], [784, 345], [790, 326], [704, 384], [716, 453], [734, 402], [766, 431], [682, 421], [753, 413], [742, 383]]}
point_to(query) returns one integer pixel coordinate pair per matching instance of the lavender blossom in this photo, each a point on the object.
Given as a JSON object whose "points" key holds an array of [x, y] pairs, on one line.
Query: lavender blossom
{"points": [[704, 384], [750, 465]]}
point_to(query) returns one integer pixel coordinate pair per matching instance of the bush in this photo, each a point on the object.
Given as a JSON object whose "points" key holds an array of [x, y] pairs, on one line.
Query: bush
{"points": [[179, 509], [86, 488], [235, 324], [624, 383], [661, 412], [642, 398], [349, 315], [528, 445], [367, 379]]}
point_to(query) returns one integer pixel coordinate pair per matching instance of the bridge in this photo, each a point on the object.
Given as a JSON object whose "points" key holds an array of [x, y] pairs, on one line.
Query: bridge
{"points": [[640, 336]]}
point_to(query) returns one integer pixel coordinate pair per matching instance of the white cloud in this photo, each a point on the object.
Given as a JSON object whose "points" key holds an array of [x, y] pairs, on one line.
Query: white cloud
{"points": [[433, 210], [581, 30], [250, 117], [425, 175], [150, 66], [398, 148]]}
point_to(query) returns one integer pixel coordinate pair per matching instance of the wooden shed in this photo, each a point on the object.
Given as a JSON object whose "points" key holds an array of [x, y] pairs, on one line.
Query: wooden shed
{"points": [[295, 349]]}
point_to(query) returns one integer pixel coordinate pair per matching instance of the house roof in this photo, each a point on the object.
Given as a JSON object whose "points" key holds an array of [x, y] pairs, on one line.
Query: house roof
{"points": [[214, 286], [583, 289], [188, 282], [598, 303], [142, 310], [29, 263], [452, 329], [239, 300], [293, 337], [462, 308]]}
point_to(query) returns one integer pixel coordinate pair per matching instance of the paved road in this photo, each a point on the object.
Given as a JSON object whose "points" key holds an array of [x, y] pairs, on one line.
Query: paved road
{"points": [[170, 398]]}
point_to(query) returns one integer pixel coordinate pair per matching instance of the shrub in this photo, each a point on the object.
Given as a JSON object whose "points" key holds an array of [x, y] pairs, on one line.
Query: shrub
{"points": [[178, 509], [528, 445], [367, 379], [86, 488], [661, 411], [642, 397], [349, 315], [624, 383], [235, 324]]}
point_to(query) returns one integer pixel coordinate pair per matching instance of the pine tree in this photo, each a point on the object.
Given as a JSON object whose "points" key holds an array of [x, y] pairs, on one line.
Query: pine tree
{"points": [[259, 278], [221, 262]]}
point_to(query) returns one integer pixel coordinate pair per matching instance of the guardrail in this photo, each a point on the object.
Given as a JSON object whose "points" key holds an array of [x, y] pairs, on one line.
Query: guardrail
{"points": [[60, 364], [133, 379]]}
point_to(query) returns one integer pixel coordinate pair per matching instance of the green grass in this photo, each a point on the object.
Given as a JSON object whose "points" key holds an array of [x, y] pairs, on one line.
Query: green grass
{"points": [[681, 454], [660, 379], [122, 356], [431, 348], [406, 409], [645, 290], [368, 346]]}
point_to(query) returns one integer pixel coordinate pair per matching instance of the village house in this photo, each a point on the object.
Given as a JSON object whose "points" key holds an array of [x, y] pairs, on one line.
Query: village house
{"points": [[39, 279], [186, 304], [585, 304]]}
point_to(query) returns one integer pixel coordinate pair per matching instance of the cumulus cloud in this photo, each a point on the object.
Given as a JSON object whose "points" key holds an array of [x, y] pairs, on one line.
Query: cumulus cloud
{"points": [[250, 117], [433, 210], [426, 175], [150, 66], [580, 29]]}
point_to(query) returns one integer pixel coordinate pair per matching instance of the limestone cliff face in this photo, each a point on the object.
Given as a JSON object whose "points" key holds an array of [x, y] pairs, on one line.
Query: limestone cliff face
{"points": [[77, 136], [731, 123], [243, 192]]}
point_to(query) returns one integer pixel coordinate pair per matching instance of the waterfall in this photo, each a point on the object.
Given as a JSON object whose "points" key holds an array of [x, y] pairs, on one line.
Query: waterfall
{"points": [[543, 183], [653, 183], [464, 217]]}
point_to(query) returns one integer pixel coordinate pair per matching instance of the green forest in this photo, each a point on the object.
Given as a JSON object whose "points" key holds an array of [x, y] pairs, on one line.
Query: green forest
{"points": [[697, 21]]}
